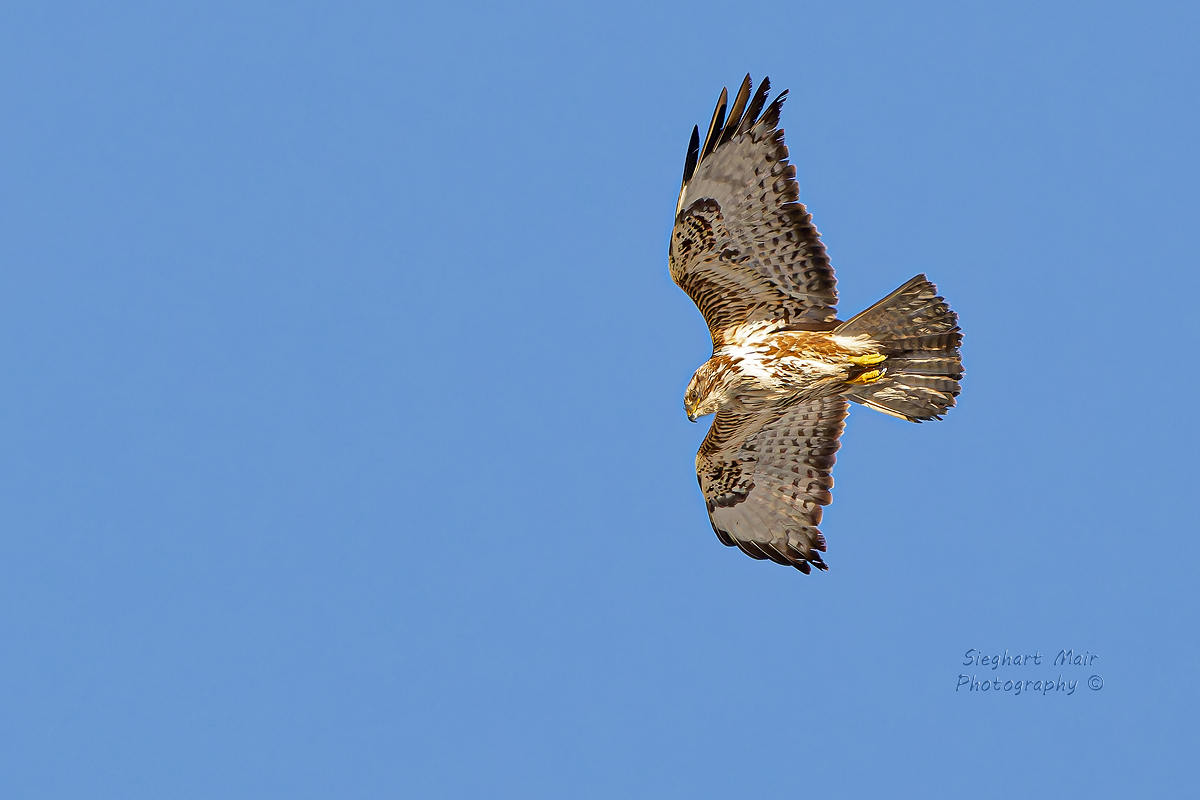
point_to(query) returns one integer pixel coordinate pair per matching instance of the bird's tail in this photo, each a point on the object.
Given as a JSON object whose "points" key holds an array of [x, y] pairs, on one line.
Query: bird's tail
{"points": [[919, 335]]}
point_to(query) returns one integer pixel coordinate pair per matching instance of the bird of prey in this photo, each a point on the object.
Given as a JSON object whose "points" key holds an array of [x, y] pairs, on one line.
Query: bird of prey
{"points": [[783, 365]]}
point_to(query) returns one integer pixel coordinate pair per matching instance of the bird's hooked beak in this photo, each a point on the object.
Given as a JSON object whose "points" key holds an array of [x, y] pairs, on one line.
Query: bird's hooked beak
{"points": [[691, 415]]}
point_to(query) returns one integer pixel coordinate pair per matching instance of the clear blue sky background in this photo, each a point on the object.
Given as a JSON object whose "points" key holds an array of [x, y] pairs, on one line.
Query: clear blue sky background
{"points": [[341, 404]]}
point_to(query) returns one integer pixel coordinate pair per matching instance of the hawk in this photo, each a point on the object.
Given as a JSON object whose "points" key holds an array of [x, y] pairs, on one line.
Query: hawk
{"points": [[783, 365]]}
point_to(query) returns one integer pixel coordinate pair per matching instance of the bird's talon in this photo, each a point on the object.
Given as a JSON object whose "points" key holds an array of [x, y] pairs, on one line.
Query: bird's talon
{"points": [[868, 360], [868, 377]]}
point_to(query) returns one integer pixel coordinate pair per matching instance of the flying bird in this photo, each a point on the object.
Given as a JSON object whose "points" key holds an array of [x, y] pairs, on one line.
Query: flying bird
{"points": [[783, 365]]}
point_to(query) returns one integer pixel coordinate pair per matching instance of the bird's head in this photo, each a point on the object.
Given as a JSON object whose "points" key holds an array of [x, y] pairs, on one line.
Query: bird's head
{"points": [[706, 391]]}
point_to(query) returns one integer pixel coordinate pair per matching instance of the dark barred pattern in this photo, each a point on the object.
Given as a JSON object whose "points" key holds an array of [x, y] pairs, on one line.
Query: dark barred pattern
{"points": [[744, 248], [920, 336], [725, 482], [692, 240], [765, 480]]}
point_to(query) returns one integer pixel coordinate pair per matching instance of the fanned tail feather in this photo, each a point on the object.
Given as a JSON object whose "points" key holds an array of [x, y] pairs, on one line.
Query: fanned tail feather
{"points": [[919, 334]]}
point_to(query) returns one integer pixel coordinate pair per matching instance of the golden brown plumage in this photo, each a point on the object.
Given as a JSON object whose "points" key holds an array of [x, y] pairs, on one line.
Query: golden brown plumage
{"points": [[783, 366]]}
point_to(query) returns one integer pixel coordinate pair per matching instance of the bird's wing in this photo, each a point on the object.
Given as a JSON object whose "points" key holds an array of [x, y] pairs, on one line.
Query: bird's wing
{"points": [[765, 477], [744, 248]]}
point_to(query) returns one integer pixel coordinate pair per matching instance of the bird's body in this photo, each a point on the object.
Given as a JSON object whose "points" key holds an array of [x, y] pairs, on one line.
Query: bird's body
{"points": [[776, 369], [783, 366]]}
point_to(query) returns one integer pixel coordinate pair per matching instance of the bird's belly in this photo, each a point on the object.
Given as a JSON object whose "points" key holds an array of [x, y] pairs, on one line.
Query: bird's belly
{"points": [[808, 379], [769, 380]]}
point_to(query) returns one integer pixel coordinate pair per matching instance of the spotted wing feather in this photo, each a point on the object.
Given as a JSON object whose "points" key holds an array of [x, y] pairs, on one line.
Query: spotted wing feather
{"points": [[744, 248], [766, 477]]}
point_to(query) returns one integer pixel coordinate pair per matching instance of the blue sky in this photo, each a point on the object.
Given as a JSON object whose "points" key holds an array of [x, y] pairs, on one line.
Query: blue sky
{"points": [[341, 404]]}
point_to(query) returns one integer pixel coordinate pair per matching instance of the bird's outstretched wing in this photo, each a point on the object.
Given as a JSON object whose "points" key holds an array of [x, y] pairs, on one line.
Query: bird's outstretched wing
{"points": [[744, 248], [766, 476]]}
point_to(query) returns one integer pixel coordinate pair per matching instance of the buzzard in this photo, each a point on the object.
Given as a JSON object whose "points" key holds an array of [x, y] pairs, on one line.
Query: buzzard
{"points": [[783, 365]]}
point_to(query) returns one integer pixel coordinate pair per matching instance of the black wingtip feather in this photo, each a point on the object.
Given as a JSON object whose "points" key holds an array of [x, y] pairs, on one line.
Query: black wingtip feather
{"points": [[771, 115], [734, 121], [756, 106], [715, 127], [742, 118], [693, 155]]}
